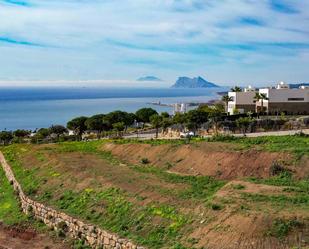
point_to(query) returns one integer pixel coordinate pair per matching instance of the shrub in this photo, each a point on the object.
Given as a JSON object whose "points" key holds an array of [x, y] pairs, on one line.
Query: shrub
{"points": [[306, 121], [276, 169], [281, 228], [62, 226], [169, 165], [238, 186], [301, 134], [145, 160], [222, 138], [60, 233], [216, 207], [30, 209]]}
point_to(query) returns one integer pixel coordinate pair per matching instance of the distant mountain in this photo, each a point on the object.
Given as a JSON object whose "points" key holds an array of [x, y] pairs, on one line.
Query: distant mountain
{"points": [[197, 82], [149, 78], [298, 85]]}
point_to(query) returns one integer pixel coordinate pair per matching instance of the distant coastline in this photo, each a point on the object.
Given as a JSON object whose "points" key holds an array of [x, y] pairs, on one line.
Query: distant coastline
{"points": [[65, 93], [30, 108]]}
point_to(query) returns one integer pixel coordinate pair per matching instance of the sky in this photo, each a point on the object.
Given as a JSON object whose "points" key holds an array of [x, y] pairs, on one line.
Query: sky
{"points": [[100, 42]]}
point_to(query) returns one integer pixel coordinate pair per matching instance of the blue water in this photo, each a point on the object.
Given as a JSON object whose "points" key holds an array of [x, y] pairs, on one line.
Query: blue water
{"points": [[31, 108]]}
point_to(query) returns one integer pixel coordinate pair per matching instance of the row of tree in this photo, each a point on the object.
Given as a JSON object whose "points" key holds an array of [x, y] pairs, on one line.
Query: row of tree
{"points": [[117, 121]]}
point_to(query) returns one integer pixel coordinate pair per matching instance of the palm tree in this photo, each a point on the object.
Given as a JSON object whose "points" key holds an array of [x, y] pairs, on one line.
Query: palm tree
{"points": [[236, 89], [226, 99], [262, 97]]}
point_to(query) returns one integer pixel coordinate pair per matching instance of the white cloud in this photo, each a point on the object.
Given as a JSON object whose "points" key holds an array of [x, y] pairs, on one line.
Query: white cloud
{"points": [[76, 34]]}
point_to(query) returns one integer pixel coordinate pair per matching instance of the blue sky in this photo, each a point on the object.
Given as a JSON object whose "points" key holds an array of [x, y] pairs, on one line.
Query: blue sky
{"points": [[97, 42]]}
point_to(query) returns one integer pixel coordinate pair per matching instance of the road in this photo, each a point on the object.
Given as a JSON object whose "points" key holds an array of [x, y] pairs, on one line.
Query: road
{"points": [[273, 133], [255, 134]]}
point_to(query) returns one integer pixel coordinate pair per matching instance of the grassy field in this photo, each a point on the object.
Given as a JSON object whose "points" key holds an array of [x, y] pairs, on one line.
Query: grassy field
{"points": [[18, 230], [160, 209], [296, 144], [10, 212]]}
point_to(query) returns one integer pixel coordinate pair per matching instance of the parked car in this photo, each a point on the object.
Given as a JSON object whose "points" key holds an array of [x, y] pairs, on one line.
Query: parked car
{"points": [[186, 134]]}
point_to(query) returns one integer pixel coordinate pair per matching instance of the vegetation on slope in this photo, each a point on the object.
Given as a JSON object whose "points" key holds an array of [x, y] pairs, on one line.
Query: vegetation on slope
{"points": [[151, 206], [154, 224], [10, 213]]}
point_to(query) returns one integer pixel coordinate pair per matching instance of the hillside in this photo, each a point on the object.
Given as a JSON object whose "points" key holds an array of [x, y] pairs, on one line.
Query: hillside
{"points": [[298, 85], [149, 78], [243, 193], [21, 231], [197, 82]]}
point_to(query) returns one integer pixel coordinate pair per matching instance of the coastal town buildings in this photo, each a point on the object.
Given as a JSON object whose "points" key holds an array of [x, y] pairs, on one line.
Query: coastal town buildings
{"points": [[281, 98], [243, 101], [180, 108]]}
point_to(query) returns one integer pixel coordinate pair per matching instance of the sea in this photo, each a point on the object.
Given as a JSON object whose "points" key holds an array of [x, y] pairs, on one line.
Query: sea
{"points": [[32, 108]]}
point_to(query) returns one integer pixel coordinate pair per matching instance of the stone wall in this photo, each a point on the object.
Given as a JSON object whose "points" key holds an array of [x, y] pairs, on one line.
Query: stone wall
{"points": [[92, 235]]}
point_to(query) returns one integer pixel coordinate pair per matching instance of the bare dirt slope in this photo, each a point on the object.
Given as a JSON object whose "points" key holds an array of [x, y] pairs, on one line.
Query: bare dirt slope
{"points": [[223, 161], [234, 213], [20, 238]]}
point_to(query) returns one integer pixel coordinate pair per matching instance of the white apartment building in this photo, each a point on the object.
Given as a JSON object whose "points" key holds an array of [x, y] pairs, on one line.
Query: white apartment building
{"points": [[282, 98], [180, 108], [242, 101]]}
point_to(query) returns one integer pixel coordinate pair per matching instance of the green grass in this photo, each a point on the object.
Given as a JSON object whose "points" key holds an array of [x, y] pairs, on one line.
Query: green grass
{"points": [[280, 228], [299, 190], [123, 217], [154, 225], [298, 145], [10, 212], [295, 144], [285, 179], [301, 200], [238, 186], [200, 187]]}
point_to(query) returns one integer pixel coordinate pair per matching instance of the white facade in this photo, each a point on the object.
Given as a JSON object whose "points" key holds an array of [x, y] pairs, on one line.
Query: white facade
{"points": [[180, 108], [282, 98], [242, 101], [283, 94]]}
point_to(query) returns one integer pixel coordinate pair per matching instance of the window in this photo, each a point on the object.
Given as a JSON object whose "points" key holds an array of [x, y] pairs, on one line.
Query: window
{"points": [[296, 99]]}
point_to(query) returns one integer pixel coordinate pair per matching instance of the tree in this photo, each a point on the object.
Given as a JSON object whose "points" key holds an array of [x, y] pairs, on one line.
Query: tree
{"points": [[243, 124], [262, 97], [226, 99], [195, 118], [179, 118], [166, 122], [165, 115], [6, 137], [236, 89], [120, 116], [98, 123], [119, 127], [57, 130], [21, 133], [78, 125], [156, 122], [144, 114], [43, 133], [215, 114]]}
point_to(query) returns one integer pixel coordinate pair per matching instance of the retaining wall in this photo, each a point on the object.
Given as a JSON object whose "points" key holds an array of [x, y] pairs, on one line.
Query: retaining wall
{"points": [[92, 235]]}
